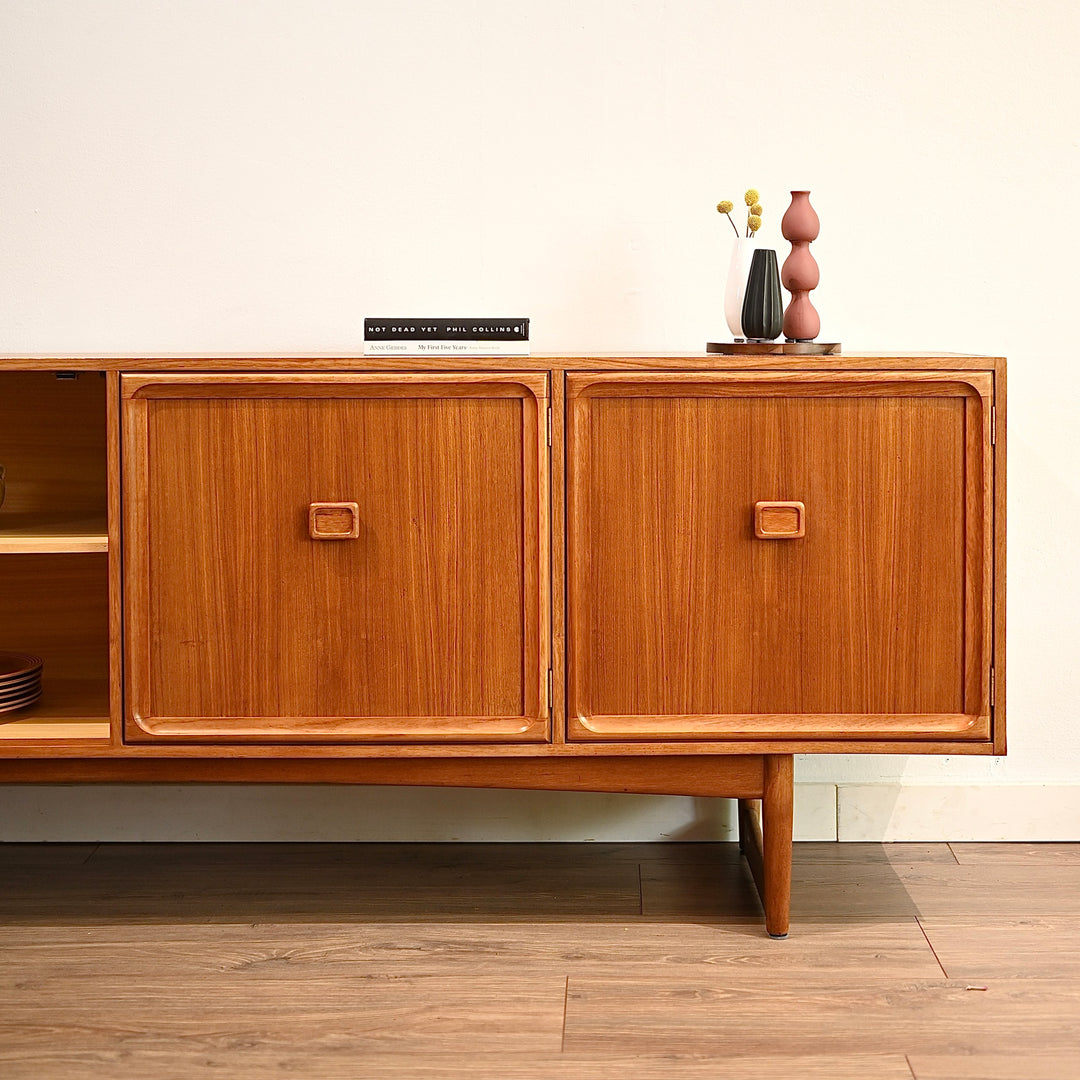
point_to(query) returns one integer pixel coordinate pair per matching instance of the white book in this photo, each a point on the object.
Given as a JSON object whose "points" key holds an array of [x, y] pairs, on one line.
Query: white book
{"points": [[446, 348]]}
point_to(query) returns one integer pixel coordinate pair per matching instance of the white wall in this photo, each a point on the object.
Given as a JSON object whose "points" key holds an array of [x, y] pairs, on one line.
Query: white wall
{"points": [[198, 176]]}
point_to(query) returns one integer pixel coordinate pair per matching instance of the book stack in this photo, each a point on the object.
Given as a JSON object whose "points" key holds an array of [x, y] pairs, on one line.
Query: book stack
{"points": [[456, 337]]}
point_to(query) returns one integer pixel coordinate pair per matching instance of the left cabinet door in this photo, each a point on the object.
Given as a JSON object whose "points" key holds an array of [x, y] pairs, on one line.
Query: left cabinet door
{"points": [[336, 557]]}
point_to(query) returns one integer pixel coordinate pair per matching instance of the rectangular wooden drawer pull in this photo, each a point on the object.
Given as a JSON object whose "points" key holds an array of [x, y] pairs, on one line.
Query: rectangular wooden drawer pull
{"points": [[779, 520], [334, 521]]}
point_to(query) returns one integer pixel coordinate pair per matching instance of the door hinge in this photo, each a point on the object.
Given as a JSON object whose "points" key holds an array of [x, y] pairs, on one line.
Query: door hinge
{"points": [[549, 425], [550, 686], [993, 425]]}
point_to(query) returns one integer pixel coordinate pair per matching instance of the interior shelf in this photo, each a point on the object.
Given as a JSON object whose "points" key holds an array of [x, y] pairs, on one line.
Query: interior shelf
{"points": [[36, 532], [68, 709]]}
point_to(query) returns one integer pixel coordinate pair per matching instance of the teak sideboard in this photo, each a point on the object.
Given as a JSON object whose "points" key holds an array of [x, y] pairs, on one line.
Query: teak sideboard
{"points": [[662, 574]]}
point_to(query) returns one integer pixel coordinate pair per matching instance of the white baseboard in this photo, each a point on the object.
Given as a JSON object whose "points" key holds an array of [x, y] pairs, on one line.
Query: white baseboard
{"points": [[256, 813], [267, 812], [935, 812]]}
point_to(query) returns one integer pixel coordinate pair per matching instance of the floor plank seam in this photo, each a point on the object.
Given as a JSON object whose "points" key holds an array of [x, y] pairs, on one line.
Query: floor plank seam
{"points": [[907, 1061], [952, 852], [565, 1010], [931, 944], [93, 852]]}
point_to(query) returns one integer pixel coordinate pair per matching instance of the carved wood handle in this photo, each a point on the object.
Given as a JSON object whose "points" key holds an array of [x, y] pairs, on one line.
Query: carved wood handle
{"points": [[334, 521], [779, 520]]}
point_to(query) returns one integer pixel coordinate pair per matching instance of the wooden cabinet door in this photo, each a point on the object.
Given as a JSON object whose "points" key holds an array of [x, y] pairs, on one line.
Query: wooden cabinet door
{"points": [[360, 557], [694, 612]]}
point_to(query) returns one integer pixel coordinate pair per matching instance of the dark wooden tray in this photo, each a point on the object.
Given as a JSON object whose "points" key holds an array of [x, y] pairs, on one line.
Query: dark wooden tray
{"points": [[774, 348]]}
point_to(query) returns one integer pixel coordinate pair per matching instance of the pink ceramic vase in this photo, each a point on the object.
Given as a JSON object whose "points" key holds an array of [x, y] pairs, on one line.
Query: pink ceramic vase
{"points": [[800, 274]]}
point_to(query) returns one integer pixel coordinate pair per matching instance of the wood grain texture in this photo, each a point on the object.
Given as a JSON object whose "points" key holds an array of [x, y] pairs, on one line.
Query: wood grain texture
{"points": [[1001, 891], [875, 888], [418, 1013], [44, 855], [983, 947], [831, 853], [765, 840], [776, 826], [731, 1015], [598, 361], [286, 763], [682, 624], [1016, 854], [56, 607], [55, 531], [1035, 1065], [31, 390], [809, 383], [729, 776], [432, 626], [404, 385], [610, 949], [72, 711], [332, 1063], [841, 887], [111, 965], [775, 727], [230, 883], [750, 843]]}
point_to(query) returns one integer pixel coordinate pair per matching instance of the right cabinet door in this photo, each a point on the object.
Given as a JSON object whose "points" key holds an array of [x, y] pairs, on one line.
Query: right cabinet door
{"points": [[779, 556]]}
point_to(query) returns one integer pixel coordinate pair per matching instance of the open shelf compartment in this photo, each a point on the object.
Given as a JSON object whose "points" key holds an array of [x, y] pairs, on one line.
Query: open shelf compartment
{"points": [[56, 606], [53, 449]]}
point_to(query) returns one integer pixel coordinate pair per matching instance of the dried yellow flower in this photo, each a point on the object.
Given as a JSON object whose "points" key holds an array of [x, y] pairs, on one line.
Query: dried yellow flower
{"points": [[752, 196], [753, 223], [725, 206], [756, 209]]}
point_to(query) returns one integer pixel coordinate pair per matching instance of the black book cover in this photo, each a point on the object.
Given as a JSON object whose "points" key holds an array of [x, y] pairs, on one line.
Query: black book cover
{"points": [[446, 329]]}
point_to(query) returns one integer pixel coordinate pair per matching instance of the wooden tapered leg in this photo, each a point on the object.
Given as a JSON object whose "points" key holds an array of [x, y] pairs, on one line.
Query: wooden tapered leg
{"points": [[776, 826], [765, 840]]}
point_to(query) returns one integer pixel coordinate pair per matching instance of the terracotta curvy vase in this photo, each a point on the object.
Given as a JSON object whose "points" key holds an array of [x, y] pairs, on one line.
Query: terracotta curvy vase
{"points": [[763, 305], [800, 275], [735, 290]]}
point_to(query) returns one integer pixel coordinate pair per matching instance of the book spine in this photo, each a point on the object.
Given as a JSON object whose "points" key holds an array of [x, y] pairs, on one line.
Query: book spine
{"points": [[446, 329], [446, 348]]}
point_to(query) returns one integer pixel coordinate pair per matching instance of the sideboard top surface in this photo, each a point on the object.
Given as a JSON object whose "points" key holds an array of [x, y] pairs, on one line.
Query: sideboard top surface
{"points": [[672, 361]]}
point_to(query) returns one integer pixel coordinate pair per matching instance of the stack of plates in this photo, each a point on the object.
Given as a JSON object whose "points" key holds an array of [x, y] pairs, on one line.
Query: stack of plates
{"points": [[20, 680]]}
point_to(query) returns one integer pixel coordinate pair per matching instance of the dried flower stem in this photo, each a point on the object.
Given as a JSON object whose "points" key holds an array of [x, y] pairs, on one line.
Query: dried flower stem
{"points": [[725, 206]]}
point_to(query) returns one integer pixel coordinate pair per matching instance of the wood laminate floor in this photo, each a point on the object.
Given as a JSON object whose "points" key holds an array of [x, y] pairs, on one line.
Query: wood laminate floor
{"points": [[521, 962]]}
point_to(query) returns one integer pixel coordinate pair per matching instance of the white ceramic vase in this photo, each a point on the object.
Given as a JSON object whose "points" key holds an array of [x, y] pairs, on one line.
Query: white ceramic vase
{"points": [[742, 255]]}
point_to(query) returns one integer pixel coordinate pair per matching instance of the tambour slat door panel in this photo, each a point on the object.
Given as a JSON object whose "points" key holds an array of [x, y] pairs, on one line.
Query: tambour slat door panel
{"points": [[697, 608], [336, 557]]}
